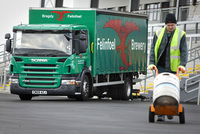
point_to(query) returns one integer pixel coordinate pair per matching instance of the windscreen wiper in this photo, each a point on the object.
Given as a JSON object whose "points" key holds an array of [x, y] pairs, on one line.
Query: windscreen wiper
{"points": [[56, 54]]}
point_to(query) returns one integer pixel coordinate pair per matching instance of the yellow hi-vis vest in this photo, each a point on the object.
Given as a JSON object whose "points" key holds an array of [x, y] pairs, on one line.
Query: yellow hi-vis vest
{"points": [[174, 47]]}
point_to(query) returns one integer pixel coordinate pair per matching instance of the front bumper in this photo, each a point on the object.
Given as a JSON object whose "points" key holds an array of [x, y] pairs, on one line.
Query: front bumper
{"points": [[63, 90]]}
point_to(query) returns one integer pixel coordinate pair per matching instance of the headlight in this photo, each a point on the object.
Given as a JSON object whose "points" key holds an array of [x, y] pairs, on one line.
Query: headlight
{"points": [[14, 81], [68, 82]]}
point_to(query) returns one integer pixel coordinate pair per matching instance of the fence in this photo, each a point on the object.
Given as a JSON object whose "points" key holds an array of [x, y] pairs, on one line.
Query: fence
{"points": [[192, 81], [158, 15], [4, 63]]}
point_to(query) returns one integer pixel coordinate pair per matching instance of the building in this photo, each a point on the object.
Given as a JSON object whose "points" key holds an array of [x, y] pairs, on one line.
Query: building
{"points": [[185, 10]]}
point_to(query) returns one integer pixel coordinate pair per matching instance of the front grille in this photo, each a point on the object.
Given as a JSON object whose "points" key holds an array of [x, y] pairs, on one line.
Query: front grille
{"points": [[40, 65], [40, 81], [41, 75], [39, 70], [38, 84]]}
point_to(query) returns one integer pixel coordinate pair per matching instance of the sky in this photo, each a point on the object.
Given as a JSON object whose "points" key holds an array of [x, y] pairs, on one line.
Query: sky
{"points": [[12, 13], [15, 12]]}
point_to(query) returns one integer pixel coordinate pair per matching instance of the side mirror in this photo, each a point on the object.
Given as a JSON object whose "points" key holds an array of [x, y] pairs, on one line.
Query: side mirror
{"points": [[82, 43], [8, 45], [82, 37], [7, 36]]}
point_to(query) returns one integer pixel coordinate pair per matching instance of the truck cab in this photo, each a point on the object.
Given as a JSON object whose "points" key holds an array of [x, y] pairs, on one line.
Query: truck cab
{"points": [[46, 58]]}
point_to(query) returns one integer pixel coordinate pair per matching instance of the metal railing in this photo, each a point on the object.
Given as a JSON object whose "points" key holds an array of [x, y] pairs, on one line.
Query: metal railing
{"points": [[192, 81], [193, 56], [158, 15], [4, 63], [198, 99]]}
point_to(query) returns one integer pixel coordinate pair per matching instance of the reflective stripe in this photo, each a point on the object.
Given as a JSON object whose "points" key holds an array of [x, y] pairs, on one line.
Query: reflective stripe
{"points": [[174, 47], [175, 57], [179, 38], [159, 34], [175, 40], [180, 34]]}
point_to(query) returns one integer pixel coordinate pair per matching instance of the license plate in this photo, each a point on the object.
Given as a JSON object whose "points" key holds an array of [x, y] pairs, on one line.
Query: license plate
{"points": [[39, 92]]}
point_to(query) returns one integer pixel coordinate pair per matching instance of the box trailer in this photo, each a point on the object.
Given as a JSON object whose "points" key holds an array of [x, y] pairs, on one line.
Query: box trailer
{"points": [[79, 53]]}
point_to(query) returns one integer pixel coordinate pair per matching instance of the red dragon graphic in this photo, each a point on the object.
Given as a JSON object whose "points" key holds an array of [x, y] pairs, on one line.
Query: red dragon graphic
{"points": [[60, 15], [123, 32]]}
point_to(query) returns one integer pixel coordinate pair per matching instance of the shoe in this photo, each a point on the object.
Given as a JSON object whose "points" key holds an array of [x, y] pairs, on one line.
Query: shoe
{"points": [[169, 117], [161, 118]]}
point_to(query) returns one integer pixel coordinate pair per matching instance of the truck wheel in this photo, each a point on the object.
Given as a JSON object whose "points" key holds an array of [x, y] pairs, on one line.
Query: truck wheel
{"points": [[151, 115], [126, 91], [182, 117], [25, 97], [85, 89]]}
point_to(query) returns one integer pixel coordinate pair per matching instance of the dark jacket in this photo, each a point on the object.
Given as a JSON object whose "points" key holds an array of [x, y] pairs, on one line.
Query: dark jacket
{"points": [[163, 61]]}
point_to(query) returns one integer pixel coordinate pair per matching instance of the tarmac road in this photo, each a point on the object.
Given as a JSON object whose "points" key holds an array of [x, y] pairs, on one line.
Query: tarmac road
{"points": [[59, 115]]}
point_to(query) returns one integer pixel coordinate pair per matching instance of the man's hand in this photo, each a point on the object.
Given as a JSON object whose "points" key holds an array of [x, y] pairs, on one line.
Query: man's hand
{"points": [[182, 69], [151, 66]]}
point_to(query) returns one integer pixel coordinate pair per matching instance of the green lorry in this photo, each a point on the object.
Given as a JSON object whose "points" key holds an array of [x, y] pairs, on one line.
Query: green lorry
{"points": [[79, 53]]}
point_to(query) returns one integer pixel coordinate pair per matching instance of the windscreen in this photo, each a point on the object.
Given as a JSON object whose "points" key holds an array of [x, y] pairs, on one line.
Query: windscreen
{"points": [[43, 43]]}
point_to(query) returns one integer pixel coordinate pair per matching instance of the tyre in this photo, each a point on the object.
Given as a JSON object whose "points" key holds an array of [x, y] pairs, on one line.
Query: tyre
{"points": [[126, 92], [182, 117], [151, 115], [85, 89], [25, 97]]}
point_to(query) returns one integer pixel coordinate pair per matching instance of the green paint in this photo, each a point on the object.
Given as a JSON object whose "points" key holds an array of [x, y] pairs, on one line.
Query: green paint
{"points": [[107, 56]]}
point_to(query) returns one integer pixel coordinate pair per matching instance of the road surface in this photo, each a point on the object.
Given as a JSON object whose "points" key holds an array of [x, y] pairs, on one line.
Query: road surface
{"points": [[60, 115]]}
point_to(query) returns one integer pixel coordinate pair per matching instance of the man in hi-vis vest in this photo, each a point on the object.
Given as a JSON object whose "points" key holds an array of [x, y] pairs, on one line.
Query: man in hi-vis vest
{"points": [[169, 49]]}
